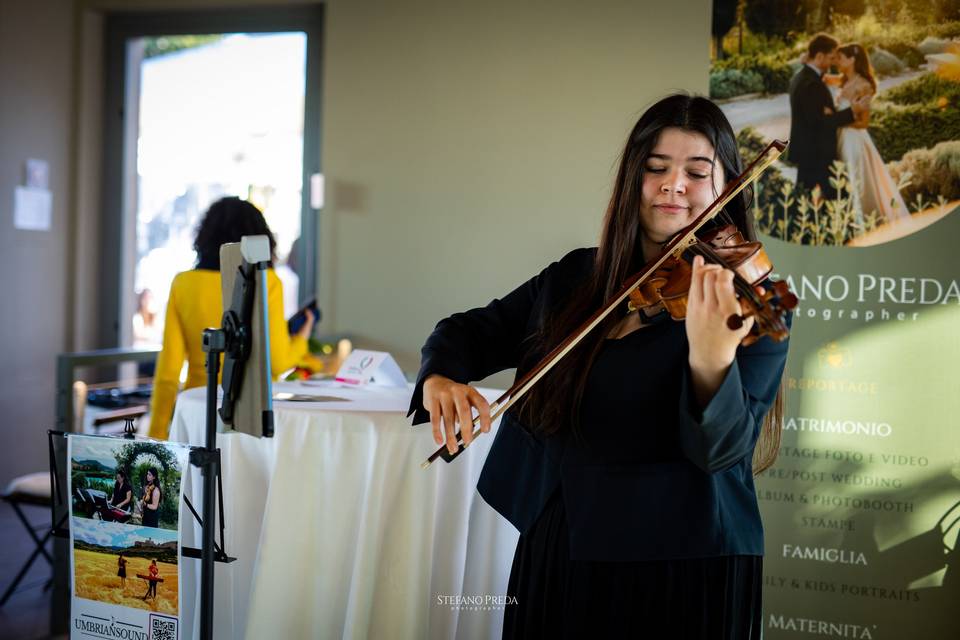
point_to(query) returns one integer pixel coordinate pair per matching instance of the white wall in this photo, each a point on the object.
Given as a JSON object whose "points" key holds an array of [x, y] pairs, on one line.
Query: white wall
{"points": [[467, 145]]}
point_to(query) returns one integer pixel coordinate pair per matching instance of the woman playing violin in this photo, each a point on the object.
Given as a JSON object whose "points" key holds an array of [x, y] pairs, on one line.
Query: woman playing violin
{"points": [[628, 469], [150, 503]]}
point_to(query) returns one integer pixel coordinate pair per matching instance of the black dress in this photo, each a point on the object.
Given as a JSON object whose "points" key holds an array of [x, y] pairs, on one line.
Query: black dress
{"points": [[151, 517], [120, 493], [556, 597], [708, 598]]}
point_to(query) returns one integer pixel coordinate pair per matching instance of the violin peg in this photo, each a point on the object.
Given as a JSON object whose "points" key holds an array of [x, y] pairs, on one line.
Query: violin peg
{"points": [[735, 322]]}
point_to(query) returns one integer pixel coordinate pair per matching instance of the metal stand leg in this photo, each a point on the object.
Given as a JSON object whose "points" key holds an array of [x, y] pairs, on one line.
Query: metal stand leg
{"points": [[209, 462]]}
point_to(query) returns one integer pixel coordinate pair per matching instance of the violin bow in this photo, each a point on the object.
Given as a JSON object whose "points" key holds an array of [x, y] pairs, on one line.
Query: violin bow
{"points": [[675, 247]]}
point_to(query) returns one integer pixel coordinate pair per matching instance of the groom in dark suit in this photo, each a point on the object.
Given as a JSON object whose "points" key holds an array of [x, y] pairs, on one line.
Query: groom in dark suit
{"points": [[814, 120]]}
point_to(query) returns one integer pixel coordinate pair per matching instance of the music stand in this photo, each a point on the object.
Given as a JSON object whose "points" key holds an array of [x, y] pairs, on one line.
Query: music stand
{"points": [[243, 338]]}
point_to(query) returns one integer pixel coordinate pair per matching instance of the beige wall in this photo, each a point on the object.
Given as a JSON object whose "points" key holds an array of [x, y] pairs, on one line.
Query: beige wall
{"points": [[467, 145], [36, 85]]}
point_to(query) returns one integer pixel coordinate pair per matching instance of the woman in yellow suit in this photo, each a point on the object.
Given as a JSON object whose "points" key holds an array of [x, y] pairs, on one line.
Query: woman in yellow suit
{"points": [[195, 303]]}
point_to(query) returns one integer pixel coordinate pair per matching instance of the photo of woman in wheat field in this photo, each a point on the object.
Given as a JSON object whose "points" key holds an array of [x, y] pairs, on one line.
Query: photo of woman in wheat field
{"points": [[150, 565]]}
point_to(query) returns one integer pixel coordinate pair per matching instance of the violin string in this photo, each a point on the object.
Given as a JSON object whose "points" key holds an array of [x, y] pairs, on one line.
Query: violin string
{"points": [[739, 283], [744, 288]]}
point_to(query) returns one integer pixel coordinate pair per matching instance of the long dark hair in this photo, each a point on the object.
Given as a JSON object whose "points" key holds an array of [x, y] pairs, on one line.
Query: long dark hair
{"points": [[861, 62], [228, 220], [553, 404]]}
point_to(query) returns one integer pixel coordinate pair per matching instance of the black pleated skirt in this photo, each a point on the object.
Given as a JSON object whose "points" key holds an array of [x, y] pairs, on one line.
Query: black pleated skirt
{"points": [[556, 597]]}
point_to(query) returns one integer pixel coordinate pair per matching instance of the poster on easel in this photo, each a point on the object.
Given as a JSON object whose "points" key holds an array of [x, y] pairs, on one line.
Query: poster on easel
{"points": [[125, 537]]}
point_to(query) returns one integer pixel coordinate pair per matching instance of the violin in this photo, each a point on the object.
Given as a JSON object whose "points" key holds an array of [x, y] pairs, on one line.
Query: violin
{"points": [[666, 280], [669, 285], [148, 493]]}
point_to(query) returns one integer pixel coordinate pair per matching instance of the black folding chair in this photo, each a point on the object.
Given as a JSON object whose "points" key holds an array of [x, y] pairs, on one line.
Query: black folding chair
{"points": [[32, 489]]}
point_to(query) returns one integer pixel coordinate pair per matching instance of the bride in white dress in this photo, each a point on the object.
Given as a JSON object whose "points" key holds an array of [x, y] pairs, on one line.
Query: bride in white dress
{"points": [[871, 186]]}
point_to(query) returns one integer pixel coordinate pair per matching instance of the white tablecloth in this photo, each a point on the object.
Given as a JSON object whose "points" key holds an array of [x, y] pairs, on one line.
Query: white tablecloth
{"points": [[338, 532]]}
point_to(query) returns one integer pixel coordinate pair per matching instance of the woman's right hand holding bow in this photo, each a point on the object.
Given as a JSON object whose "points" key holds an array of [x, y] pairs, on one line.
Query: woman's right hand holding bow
{"points": [[454, 403]]}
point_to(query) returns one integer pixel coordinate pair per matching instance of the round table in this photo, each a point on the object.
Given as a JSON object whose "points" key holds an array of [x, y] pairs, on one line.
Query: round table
{"points": [[338, 532]]}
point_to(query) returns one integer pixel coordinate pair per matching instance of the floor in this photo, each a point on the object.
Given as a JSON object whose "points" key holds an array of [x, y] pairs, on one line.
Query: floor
{"points": [[26, 615]]}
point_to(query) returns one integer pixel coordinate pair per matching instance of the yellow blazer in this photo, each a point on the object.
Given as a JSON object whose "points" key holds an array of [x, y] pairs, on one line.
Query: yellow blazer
{"points": [[194, 305]]}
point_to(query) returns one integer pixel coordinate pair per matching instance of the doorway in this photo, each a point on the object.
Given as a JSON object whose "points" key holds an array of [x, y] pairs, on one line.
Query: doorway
{"points": [[202, 105]]}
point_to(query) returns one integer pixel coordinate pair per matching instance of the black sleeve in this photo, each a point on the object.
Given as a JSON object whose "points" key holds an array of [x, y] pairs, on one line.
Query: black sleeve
{"points": [[840, 118], [811, 100], [834, 119], [474, 344], [803, 104], [728, 427]]}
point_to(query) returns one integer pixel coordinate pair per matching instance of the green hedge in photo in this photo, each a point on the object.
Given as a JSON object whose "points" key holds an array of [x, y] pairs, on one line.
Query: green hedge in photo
{"points": [[758, 73], [933, 172], [767, 189], [750, 143], [917, 114], [897, 129], [926, 89], [948, 30], [776, 75], [728, 83], [891, 52], [888, 34]]}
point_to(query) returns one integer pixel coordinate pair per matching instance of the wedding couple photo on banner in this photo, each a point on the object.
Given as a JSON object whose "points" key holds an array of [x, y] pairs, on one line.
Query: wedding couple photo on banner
{"points": [[125, 531], [867, 91]]}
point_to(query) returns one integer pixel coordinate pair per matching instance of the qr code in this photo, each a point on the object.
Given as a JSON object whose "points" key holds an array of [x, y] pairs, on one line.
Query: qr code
{"points": [[163, 628]]}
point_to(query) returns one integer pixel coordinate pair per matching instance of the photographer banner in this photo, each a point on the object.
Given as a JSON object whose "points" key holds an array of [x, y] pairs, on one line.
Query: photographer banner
{"points": [[862, 509], [125, 537]]}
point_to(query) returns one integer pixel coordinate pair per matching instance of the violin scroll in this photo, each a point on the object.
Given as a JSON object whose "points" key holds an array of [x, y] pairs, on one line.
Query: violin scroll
{"points": [[777, 300]]}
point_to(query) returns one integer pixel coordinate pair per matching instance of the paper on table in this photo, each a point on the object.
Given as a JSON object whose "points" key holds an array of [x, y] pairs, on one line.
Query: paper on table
{"points": [[371, 367], [285, 396]]}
